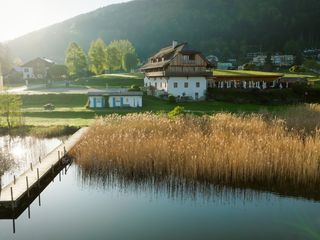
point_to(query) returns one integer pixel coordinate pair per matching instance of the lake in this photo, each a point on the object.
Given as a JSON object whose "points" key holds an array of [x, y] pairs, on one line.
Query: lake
{"points": [[84, 207]]}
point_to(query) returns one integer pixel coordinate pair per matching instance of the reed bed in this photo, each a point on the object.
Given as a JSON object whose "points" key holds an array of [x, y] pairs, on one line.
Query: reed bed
{"points": [[225, 149]]}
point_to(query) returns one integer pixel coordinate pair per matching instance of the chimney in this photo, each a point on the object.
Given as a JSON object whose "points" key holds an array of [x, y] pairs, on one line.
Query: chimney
{"points": [[174, 44]]}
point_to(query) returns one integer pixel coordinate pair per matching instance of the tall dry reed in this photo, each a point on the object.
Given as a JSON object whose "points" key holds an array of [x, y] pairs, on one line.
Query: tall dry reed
{"points": [[228, 149]]}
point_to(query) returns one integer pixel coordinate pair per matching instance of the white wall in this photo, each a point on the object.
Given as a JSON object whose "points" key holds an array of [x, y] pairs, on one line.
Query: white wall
{"points": [[191, 90], [128, 101], [96, 102], [27, 72], [159, 83], [168, 85]]}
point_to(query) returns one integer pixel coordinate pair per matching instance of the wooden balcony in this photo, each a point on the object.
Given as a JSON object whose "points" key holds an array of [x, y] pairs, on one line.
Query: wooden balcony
{"points": [[179, 74]]}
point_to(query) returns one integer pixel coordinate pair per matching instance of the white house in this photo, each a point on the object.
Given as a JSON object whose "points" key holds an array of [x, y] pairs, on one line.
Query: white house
{"points": [[179, 71], [35, 69], [99, 99]]}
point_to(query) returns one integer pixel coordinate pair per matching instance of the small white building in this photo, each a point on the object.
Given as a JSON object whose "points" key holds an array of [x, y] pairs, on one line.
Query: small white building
{"points": [[179, 71], [124, 99]]}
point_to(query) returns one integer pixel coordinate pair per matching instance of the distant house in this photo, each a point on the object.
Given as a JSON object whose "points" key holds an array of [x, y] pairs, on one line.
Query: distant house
{"points": [[35, 69], [277, 60], [100, 99], [178, 70]]}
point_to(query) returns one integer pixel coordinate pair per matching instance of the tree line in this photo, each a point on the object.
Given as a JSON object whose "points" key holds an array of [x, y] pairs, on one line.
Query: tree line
{"points": [[118, 55]]}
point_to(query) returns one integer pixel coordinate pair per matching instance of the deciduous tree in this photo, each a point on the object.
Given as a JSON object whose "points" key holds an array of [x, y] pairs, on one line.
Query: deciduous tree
{"points": [[76, 61]]}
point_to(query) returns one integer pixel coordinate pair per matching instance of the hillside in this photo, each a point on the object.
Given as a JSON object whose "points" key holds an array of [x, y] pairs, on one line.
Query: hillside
{"points": [[227, 28]]}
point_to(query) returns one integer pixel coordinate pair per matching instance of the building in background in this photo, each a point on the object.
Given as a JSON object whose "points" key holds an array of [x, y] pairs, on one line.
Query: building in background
{"points": [[178, 70], [277, 60], [34, 69], [114, 99]]}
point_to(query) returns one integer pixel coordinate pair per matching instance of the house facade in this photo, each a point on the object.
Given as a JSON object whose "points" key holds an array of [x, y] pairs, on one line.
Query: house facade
{"points": [[117, 99], [35, 69], [277, 60], [179, 71]]}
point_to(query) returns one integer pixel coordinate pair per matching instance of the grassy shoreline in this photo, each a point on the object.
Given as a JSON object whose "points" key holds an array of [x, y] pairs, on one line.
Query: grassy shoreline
{"points": [[39, 131]]}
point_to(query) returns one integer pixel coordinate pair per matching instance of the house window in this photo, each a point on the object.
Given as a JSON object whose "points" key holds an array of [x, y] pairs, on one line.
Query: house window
{"points": [[156, 85], [185, 58], [175, 85], [186, 85], [197, 96], [197, 84], [26, 70], [192, 57]]}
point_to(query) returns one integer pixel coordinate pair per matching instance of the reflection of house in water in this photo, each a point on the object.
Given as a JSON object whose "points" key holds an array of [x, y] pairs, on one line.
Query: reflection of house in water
{"points": [[114, 98]]}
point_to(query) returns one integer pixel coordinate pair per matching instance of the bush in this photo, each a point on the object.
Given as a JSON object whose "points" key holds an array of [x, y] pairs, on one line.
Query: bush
{"points": [[134, 88], [297, 69], [177, 111], [172, 99]]}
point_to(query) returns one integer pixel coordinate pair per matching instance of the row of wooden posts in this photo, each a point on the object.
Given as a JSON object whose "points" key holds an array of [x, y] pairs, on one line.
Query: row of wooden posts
{"points": [[38, 177]]}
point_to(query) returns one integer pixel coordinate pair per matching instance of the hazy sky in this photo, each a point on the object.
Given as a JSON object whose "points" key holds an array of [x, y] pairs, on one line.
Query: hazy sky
{"points": [[18, 17]]}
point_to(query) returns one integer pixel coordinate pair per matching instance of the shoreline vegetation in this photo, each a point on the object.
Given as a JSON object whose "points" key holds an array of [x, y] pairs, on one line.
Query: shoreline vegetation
{"points": [[39, 131], [276, 152]]}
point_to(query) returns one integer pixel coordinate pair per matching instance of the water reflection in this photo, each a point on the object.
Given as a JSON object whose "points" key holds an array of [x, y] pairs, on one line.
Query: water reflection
{"points": [[171, 188], [16, 154]]}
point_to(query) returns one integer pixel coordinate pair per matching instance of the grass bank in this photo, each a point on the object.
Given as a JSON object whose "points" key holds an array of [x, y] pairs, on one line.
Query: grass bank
{"points": [[40, 131], [255, 151]]}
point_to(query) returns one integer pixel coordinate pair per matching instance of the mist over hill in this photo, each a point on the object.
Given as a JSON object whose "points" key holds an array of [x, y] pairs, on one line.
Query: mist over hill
{"points": [[227, 28]]}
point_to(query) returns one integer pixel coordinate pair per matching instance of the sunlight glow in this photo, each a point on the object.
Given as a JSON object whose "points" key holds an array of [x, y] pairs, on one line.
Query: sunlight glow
{"points": [[18, 17]]}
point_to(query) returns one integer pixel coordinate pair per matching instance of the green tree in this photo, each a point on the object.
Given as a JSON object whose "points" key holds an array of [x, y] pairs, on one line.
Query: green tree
{"points": [[58, 72], [124, 47], [76, 61], [129, 61], [112, 58], [10, 110], [97, 57]]}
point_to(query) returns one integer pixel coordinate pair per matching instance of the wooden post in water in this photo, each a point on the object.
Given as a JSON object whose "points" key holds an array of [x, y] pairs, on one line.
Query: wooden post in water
{"points": [[14, 179], [12, 204], [58, 154], [60, 176], [31, 166], [39, 159], [27, 182], [52, 171], [13, 225], [38, 176], [29, 212]]}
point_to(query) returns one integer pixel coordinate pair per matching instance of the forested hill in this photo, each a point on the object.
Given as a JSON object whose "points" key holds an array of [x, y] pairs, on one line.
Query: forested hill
{"points": [[227, 28]]}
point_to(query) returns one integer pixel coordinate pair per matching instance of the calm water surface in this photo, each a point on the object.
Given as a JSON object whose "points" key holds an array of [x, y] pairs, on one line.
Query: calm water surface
{"points": [[79, 208]]}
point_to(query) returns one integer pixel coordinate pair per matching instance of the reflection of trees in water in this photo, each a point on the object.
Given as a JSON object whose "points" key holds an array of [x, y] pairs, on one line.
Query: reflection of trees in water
{"points": [[5, 164], [167, 187]]}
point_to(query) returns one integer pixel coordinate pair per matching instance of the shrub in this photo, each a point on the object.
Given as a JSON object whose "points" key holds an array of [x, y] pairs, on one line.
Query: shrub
{"points": [[177, 111], [171, 99], [297, 69], [135, 88]]}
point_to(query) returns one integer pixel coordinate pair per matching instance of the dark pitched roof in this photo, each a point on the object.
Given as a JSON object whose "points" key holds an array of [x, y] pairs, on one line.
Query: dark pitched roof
{"points": [[31, 63], [168, 53]]}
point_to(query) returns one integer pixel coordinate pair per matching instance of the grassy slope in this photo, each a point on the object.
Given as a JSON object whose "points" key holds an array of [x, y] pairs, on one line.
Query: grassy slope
{"points": [[111, 80]]}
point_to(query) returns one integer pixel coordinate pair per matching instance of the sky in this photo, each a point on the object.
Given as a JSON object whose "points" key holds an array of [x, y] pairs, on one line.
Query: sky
{"points": [[18, 17]]}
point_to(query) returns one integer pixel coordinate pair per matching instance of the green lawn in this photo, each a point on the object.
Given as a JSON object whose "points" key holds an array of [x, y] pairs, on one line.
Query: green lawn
{"points": [[70, 109], [243, 73]]}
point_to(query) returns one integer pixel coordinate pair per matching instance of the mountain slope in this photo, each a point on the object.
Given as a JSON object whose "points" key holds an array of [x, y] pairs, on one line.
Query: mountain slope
{"points": [[227, 28]]}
